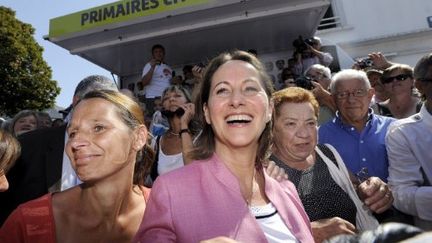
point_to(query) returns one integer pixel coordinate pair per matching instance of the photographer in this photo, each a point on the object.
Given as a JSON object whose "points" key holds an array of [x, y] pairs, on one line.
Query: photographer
{"points": [[321, 78], [308, 53], [317, 79]]}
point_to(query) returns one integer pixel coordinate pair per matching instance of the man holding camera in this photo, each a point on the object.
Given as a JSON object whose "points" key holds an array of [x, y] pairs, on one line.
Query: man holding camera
{"points": [[308, 53], [320, 77], [156, 77]]}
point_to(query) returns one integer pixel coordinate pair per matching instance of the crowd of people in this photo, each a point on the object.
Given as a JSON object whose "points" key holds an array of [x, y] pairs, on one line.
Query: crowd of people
{"points": [[221, 156]]}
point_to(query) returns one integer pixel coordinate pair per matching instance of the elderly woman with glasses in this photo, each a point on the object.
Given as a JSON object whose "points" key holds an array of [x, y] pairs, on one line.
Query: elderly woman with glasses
{"points": [[404, 100]]}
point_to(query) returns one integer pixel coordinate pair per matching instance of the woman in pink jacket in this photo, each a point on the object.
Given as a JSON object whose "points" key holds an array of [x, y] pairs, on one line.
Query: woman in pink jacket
{"points": [[226, 193]]}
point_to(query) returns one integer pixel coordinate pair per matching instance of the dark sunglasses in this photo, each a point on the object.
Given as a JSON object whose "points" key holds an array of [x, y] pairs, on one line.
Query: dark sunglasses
{"points": [[400, 77]]}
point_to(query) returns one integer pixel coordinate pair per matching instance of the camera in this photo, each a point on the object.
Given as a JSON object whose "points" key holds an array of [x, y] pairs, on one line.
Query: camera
{"points": [[301, 44], [365, 63], [169, 114], [304, 82], [201, 65]]}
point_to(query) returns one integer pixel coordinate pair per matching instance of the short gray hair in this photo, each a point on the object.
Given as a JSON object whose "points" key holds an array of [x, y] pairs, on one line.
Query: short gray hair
{"points": [[325, 70], [92, 83], [347, 74]]}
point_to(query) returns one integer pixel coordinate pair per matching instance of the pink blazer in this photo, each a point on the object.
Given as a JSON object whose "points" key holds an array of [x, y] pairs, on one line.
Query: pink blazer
{"points": [[203, 200]]}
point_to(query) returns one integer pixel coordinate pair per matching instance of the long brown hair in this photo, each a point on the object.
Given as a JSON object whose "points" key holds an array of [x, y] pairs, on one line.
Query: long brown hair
{"points": [[205, 144]]}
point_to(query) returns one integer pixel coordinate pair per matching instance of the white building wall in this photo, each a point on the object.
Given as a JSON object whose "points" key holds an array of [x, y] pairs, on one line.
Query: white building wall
{"points": [[398, 28]]}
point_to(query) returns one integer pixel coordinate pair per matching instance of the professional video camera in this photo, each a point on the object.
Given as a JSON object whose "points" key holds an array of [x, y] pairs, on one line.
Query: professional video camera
{"points": [[300, 44], [304, 82]]}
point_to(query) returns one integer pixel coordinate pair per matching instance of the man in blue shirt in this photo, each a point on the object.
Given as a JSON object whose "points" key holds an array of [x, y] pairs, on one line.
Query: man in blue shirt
{"points": [[356, 132]]}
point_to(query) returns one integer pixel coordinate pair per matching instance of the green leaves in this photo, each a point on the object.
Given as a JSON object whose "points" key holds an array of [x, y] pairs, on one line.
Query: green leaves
{"points": [[25, 77]]}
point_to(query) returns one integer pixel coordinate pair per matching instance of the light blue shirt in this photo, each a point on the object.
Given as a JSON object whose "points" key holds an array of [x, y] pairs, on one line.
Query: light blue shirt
{"points": [[359, 150], [409, 144]]}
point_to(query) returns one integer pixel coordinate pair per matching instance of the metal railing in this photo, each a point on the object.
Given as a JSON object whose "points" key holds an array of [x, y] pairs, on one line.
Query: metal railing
{"points": [[329, 23]]}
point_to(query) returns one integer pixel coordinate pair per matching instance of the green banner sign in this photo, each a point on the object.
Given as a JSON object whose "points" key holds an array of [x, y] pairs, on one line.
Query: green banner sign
{"points": [[114, 13]]}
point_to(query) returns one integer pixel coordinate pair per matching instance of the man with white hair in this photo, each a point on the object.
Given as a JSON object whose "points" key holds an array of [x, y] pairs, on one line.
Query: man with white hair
{"points": [[356, 132]]}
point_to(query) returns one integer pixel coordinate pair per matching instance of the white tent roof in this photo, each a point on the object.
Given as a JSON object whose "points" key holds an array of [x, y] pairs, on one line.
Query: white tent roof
{"points": [[196, 33]]}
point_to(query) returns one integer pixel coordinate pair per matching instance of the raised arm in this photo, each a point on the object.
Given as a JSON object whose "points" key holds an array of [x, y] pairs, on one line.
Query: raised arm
{"points": [[148, 72]]}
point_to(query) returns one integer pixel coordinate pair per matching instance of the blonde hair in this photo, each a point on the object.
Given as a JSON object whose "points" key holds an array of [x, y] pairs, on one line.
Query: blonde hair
{"points": [[10, 150]]}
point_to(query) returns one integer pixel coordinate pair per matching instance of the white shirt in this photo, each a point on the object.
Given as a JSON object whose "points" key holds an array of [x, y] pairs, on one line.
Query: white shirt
{"points": [[409, 144], [162, 75], [69, 178], [275, 230]]}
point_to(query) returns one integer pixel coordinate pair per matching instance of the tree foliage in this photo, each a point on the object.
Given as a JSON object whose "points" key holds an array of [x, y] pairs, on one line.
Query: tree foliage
{"points": [[25, 78]]}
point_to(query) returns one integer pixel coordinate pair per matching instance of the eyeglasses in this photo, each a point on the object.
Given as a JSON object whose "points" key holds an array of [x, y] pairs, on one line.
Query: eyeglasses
{"points": [[355, 93], [400, 77]]}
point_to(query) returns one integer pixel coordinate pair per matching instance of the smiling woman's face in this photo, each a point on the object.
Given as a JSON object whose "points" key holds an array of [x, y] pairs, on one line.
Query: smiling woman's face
{"points": [[238, 107], [25, 124], [100, 144]]}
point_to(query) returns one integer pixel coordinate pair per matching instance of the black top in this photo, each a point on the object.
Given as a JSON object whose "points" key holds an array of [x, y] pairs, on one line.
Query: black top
{"points": [[321, 196]]}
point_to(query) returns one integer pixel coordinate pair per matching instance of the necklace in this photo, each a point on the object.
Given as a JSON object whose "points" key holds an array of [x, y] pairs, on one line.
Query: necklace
{"points": [[253, 189], [173, 133]]}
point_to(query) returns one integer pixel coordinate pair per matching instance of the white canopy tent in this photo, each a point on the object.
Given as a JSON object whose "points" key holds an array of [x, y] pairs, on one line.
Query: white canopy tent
{"points": [[191, 33]]}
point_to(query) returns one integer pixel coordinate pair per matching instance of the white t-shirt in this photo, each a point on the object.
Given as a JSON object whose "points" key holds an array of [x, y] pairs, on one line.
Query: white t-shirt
{"points": [[162, 75]]}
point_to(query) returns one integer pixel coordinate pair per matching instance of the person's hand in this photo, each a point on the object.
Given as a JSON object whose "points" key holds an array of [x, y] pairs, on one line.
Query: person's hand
{"points": [[356, 66], [323, 96], [197, 72], [379, 60], [312, 49], [319, 91], [276, 172], [189, 112], [154, 62], [326, 228], [220, 239], [375, 194]]}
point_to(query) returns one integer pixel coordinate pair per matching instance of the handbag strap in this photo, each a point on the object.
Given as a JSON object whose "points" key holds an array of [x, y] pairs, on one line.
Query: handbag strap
{"points": [[328, 153], [154, 172]]}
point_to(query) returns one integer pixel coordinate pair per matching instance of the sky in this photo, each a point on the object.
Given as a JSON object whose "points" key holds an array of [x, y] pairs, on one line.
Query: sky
{"points": [[67, 69]]}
